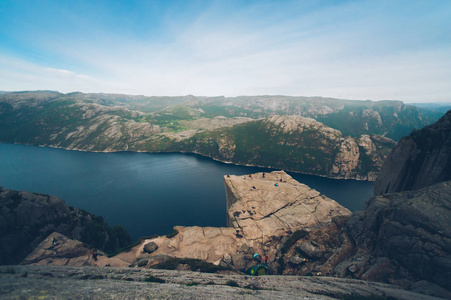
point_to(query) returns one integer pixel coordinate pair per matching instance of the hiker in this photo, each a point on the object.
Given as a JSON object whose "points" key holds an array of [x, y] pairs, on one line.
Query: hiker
{"points": [[263, 174], [266, 259], [250, 175], [54, 242], [257, 258], [281, 179], [228, 175], [94, 254]]}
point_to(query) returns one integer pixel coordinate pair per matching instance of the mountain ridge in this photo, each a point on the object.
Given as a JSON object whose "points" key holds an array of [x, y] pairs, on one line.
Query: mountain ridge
{"points": [[114, 122]]}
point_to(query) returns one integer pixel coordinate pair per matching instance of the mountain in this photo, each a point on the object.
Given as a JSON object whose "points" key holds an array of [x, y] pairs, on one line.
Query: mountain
{"points": [[438, 107], [392, 119], [113, 122], [418, 160], [293, 143]]}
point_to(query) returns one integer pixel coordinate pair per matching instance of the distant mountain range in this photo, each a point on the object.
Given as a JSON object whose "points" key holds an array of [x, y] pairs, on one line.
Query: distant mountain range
{"points": [[322, 136]]}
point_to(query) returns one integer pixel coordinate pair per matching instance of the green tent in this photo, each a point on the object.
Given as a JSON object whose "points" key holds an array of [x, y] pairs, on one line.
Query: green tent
{"points": [[258, 270]]}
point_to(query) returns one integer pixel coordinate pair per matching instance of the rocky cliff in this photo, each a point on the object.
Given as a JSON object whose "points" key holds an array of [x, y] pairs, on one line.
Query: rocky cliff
{"points": [[26, 219], [294, 143], [418, 160], [261, 215]]}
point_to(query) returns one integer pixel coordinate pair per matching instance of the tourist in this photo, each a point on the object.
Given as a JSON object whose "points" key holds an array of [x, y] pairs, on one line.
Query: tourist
{"points": [[257, 258]]}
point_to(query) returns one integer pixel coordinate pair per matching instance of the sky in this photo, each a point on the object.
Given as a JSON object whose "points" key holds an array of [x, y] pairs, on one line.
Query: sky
{"points": [[377, 50]]}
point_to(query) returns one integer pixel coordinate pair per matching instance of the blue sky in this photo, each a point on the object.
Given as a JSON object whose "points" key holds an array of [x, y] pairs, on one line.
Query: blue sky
{"points": [[345, 49]]}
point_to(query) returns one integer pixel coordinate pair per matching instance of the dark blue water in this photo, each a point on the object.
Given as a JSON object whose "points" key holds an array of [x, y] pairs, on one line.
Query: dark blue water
{"points": [[146, 193]]}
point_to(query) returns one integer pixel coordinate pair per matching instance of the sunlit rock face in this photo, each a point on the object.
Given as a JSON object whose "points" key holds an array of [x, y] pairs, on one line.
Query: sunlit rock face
{"points": [[261, 208]]}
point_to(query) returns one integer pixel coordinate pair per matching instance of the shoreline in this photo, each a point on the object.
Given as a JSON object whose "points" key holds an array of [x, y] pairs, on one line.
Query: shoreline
{"points": [[191, 153]]}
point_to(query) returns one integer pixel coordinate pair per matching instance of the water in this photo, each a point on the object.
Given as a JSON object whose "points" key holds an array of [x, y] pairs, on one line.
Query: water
{"points": [[146, 193]]}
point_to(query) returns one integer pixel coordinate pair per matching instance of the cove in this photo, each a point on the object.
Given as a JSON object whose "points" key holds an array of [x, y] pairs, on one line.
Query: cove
{"points": [[147, 193]]}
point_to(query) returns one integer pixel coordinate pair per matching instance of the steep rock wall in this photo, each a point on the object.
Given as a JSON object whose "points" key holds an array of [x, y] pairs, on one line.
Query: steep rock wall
{"points": [[419, 160]]}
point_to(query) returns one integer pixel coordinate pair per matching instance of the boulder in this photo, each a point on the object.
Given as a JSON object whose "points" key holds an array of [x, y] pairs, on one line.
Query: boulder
{"points": [[310, 250], [150, 247]]}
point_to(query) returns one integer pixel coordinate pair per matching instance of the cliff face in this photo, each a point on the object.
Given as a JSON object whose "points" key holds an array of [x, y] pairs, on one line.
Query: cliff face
{"points": [[26, 219], [421, 159], [401, 238], [294, 143]]}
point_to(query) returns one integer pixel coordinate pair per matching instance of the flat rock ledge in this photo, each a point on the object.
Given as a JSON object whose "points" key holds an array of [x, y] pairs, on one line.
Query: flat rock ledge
{"points": [[263, 209], [56, 282]]}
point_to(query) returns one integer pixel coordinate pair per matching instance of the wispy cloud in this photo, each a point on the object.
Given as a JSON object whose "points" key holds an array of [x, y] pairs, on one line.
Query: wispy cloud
{"points": [[15, 72]]}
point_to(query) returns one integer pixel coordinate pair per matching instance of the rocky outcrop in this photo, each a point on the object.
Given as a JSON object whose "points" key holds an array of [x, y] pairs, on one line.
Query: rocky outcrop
{"points": [[263, 210], [421, 159], [59, 250], [260, 215], [26, 219], [411, 230]]}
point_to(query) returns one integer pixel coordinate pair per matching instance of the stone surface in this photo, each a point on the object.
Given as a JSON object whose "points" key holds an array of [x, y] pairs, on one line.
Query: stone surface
{"points": [[419, 160], [52, 282], [260, 211]]}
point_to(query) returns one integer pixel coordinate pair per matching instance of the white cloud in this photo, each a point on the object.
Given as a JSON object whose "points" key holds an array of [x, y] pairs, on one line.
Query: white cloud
{"points": [[17, 74]]}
